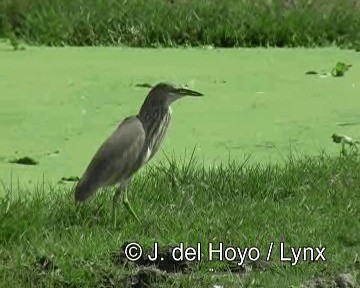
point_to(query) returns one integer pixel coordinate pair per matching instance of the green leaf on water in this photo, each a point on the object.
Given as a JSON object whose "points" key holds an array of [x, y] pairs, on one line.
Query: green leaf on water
{"points": [[70, 179], [311, 72], [24, 161], [343, 139], [144, 85], [340, 69]]}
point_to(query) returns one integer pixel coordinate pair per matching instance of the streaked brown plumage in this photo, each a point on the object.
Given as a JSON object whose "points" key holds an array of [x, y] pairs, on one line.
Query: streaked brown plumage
{"points": [[135, 141]]}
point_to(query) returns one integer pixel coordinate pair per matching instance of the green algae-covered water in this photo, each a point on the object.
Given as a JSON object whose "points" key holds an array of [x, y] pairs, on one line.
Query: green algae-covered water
{"points": [[57, 105]]}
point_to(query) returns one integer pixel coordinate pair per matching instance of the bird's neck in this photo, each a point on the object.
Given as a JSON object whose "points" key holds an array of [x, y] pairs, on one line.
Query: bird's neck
{"points": [[154, 114]]}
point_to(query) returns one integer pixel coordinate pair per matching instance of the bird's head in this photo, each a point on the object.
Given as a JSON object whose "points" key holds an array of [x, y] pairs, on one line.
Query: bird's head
{"points": [[164, 94]]}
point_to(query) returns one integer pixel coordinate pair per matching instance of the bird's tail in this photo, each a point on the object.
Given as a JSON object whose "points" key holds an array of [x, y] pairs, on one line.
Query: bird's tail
{"points": [[84, 189]]}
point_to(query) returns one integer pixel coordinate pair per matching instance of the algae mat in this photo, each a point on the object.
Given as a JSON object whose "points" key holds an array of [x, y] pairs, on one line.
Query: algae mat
{"points": [[57, 105]]}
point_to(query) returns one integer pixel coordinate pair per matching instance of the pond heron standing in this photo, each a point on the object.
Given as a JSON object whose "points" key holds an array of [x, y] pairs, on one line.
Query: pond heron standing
{"points": [[131, 145]]}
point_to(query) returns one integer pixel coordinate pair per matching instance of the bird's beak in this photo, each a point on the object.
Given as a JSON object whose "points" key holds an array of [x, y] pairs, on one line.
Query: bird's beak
{"points": [[188, 92]]}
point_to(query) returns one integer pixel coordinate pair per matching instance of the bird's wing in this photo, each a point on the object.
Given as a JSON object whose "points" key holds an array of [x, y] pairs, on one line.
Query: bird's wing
{"points": [[117, 158]]}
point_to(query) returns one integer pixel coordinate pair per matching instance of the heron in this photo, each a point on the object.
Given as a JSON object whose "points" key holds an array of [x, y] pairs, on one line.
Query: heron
{"points": [[133, 144]]}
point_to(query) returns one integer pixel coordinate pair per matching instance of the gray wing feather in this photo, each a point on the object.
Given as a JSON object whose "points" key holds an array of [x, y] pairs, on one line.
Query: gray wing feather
{"points": [[117, 158]]}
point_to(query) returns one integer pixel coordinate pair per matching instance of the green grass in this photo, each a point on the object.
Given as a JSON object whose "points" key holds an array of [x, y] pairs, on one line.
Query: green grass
{"points": [[170, 23], [311, 202], [57, 105]]}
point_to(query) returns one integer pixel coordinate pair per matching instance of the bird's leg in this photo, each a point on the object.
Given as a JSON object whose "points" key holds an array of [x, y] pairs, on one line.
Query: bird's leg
{"points": [[122, 189], [115, 204], [127, 205]]}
